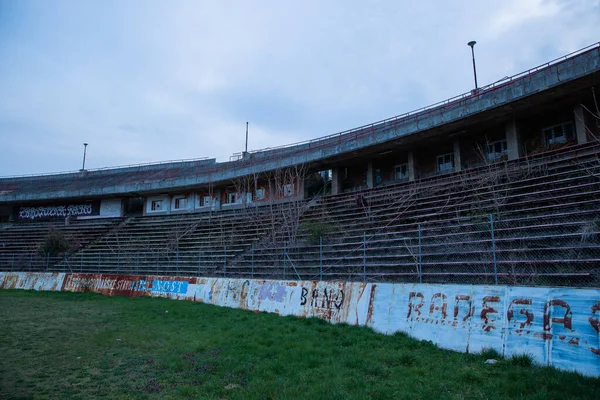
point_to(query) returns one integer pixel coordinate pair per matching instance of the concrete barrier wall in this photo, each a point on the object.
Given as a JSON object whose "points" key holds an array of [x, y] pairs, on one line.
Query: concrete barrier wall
{"points": [[557, 326]]}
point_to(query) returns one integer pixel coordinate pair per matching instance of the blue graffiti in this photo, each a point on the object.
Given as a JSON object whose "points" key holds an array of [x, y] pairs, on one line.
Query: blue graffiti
{"points": [[158, 286]]}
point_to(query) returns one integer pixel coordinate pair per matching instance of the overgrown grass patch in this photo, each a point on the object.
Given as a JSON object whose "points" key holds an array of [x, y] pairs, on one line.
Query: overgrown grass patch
{"points": [[80, 346]]}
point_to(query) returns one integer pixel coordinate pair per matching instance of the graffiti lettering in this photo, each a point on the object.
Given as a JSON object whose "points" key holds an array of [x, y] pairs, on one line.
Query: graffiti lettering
{"points": [[330, 298], [303, 296], [566, 320], [487, 311], [470, 308], [272, 291], [54, 211], [510, 313], [433, 307], [415, 307]]}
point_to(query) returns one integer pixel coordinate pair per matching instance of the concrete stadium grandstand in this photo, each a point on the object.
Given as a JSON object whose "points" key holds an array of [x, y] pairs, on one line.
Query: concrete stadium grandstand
{"points": [[498, 185]]}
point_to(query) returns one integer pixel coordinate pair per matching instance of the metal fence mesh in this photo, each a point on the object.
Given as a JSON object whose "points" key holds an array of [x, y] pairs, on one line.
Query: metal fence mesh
{"points": [[562, 249]]}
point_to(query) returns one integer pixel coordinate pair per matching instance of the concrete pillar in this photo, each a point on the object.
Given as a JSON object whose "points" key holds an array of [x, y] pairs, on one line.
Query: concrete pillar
{"points": [[272, 194], [411, 166], [336, 187], [216, 202], [370, 174], [300, 188], [457, 161], [513, 145], [580, 125]]}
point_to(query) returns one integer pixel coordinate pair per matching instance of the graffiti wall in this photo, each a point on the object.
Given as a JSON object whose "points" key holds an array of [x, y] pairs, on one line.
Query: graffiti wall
{"points": [[557, 326]]}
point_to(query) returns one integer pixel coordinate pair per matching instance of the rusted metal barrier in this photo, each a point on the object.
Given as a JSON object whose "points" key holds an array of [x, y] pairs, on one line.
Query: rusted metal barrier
{"points": [[556, 326]]}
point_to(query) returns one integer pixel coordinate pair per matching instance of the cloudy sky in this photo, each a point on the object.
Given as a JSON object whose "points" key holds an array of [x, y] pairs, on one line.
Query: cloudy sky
{"points": [[145, 81]]}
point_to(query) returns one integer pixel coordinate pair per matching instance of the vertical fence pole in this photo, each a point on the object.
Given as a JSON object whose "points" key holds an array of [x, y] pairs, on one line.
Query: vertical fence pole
{"points": [[12, 263], [224, 261], [81, 261], [199, 258], [320, 258], [420, 266], [47, 261], [284, 260], [252, 253], [177, 260], [137, 263], [364, 256], [494, 248], [98, 262], [30, 260]]}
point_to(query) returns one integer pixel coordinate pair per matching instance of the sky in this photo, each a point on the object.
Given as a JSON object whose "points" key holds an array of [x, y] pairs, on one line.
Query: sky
{"points": [[148, 81]]}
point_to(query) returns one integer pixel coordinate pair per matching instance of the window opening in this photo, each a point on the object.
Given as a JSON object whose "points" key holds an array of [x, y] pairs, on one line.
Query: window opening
{"points": [[401, 171], [445, 162]]}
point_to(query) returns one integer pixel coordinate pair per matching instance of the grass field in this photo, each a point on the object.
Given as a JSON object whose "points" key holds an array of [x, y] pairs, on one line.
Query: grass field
{"points": [[67, 345]]}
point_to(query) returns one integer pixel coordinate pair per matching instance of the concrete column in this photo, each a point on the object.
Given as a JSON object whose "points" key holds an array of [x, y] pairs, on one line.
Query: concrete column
{"points": [[216, 202], [370, 174], [580, 125], [411, 166], [513, 145], [300, 188], [457, 161], [272, 196], [336, 187]]}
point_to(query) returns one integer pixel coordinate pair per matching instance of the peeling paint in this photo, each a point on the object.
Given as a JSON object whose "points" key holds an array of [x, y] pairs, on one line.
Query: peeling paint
{"points": [[557, 326]]}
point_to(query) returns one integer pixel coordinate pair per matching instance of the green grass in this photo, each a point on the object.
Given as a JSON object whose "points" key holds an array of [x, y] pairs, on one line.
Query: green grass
{"points": [[70, 346]]}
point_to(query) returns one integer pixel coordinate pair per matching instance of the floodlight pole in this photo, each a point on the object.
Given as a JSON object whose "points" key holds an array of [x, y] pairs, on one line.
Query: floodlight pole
{"points": [[84, 151], [472, 45], [246, 151]]}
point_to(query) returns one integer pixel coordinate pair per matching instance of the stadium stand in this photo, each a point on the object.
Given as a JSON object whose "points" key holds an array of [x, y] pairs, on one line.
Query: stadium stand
{"points": [[499, 185]]}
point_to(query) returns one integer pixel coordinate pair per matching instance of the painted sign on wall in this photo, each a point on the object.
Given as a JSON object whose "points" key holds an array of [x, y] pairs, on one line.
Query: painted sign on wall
{"points": [[57, 211], [557, 326]]}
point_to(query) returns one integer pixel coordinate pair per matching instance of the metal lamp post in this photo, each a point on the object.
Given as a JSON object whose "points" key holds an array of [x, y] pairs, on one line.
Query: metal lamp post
{"points": [[472, 45], [84, 151]]}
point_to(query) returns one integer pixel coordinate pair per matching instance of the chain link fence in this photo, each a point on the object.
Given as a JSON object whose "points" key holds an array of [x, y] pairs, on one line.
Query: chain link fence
{"points": [[561, 249]]}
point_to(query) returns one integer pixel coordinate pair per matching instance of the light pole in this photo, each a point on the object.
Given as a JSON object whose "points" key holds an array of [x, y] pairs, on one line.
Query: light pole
{"points": [[472, 44], [84, 151]]}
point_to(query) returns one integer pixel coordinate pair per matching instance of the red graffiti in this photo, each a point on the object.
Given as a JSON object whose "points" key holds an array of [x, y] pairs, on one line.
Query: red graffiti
{"points": [[487, 310], [471, 308], [412, 306], [510, 313], [433, 307]]}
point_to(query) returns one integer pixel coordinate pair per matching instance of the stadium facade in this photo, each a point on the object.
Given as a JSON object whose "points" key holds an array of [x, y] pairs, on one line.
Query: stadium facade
{"points": [[542, 109]]}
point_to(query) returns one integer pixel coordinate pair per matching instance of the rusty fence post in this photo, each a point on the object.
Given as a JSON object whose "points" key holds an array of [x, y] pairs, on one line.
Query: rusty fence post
{"points": [[420, 264], [364, 256], [199, 258], [494, 248], [284, 260], [224, 261], [320, 258]]}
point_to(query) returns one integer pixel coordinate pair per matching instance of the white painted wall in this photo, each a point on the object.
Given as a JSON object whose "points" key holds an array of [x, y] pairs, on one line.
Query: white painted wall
{"points": [[556, 326], [111, 208]]}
